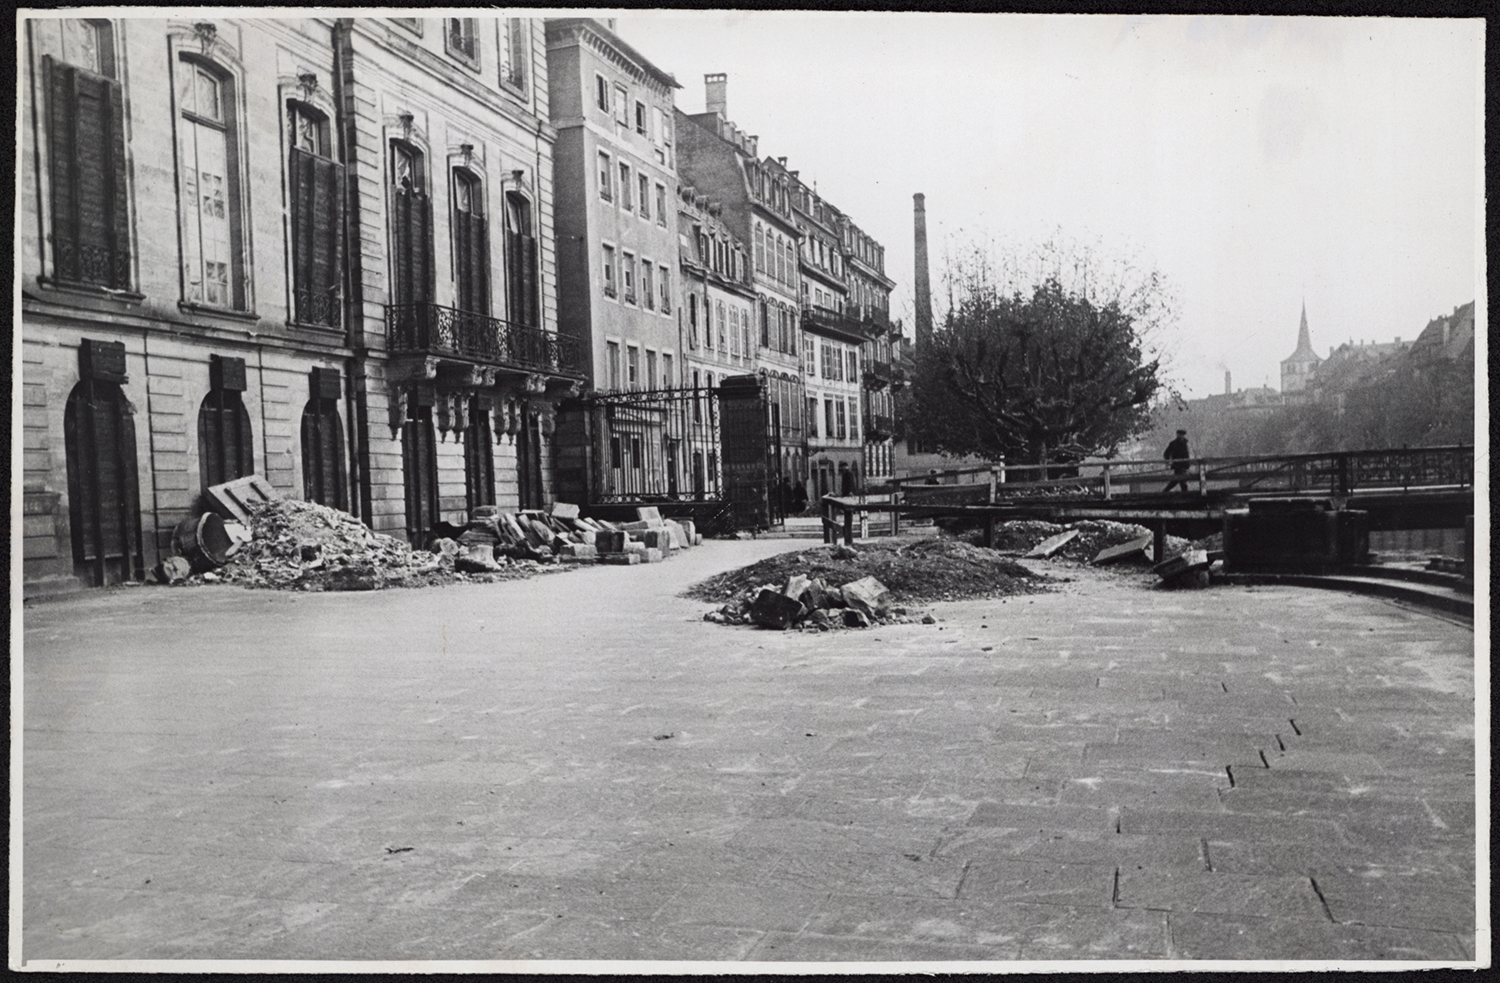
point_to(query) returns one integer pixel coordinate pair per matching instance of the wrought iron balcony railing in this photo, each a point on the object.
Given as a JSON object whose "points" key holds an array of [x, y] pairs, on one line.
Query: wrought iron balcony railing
{"points": [[878, 372], [430, 329], [878, 426]]}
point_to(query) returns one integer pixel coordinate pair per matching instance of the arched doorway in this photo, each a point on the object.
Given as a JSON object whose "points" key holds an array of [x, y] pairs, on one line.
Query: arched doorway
{"points": [[103, 490]]}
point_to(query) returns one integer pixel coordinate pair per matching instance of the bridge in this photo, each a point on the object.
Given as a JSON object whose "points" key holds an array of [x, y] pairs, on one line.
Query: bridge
{"points": [[1405, 488]]}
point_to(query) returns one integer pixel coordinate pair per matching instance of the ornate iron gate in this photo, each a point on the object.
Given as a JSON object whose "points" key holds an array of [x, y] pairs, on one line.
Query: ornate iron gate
{"points": [[703, 445]]}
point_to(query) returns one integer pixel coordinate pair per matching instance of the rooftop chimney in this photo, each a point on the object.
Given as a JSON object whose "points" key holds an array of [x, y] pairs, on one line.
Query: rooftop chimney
{"points": [[923, 287], [716, 89], [781, 161]]}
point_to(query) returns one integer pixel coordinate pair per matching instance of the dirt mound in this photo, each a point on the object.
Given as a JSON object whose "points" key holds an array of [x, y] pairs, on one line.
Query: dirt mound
{"points": [[917, 572], [305, 546]]}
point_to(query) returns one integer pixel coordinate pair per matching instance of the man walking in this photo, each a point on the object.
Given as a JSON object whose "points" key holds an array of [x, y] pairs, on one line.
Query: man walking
{"points": [[1177, 453]]}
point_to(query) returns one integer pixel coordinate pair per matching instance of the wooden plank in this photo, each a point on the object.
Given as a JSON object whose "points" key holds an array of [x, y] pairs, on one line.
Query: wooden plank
{"points": [[230, 498], [1051, 544]]}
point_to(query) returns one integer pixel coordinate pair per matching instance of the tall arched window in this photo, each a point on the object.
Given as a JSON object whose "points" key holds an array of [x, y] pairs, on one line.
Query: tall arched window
{"points": [[411, 227], [471, 251], [316, 188], [522, 298], [213, 267]]}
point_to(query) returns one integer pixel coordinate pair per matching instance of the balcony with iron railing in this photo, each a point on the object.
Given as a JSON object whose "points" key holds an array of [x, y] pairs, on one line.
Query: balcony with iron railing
{"points": [[878, 373], [816, 318], [428, 329], [878, 426]]}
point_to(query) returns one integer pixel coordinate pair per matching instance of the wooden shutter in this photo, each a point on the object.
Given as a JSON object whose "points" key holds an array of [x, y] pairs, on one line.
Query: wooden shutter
{"points": [[317, 236], [471, 239], [90, 231], [529, 291]]}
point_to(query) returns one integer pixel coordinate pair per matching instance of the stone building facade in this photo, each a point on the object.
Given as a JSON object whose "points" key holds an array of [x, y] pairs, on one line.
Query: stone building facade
{"points": [[319, 250], [754, 195]]}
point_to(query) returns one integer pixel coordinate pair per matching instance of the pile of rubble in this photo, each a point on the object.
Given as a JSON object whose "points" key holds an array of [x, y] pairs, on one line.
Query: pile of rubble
{"points": [[563, 534], [294, 545], [895, 577], [270, 542], [1086, 541], [812, 604]]}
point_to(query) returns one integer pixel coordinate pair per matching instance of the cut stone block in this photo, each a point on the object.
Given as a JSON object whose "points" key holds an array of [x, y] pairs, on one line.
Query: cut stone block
{"points": [[588, 536], [652, 555], [1125, 551], [476, 559], [675, 531], [610, 542], [689, 532], [577, 549], [855, 619], [649, 513], [1052, 544], [773, 609], [1191, 562], [580, 559], [641, 525], [867, 595], [633, 546], [621, 559], [563, 510]]}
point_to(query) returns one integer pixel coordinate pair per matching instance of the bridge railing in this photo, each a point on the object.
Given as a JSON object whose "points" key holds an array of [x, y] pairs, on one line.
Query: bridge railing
{"points": [[1334, 473]]}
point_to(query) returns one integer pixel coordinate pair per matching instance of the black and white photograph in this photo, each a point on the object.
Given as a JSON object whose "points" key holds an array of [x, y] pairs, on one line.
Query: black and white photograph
{"points": [[1051, 448]]}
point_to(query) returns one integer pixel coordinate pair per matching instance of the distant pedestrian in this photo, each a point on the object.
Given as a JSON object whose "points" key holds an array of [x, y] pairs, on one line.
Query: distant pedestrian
{"points": [[932, 477], [1177, 452], [784, 495], [799, 497]]}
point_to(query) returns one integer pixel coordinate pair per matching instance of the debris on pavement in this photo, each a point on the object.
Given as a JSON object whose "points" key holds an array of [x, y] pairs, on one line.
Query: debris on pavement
{"points": [[841, 586]]}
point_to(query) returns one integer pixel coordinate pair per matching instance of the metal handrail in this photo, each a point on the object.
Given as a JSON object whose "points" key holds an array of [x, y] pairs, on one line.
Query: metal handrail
{"points": [[479, 337]]}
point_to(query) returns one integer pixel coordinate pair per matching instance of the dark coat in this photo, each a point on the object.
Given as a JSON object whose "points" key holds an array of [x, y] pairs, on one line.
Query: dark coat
{"points": [[1177, 452]]}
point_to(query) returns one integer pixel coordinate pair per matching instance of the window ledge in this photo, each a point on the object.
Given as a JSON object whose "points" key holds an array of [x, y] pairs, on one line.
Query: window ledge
{"points": [[309, 326], [91, 290], [188, 307]]}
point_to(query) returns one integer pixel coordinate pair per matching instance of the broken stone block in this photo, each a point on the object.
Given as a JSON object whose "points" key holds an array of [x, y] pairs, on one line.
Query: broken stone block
{"points": [[173, 570], [842, 552], [634, 546], [818, 595], [855, 619], [674, 531], [820, 620], [641, 525], [648, 513], [867, 595], [689, 531], [610, 542], [621, 559], [444, 547], [577, 549], [562, 510], [1140, 547], [478, 558], [1052, 544], [796, 586], [657, 539], [652, 555], [773, 609], [588, 536]]}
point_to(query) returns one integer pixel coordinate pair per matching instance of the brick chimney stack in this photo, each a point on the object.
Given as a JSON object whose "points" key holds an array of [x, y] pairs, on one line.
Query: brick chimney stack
{"points": [[922, 285], [716, 88]]}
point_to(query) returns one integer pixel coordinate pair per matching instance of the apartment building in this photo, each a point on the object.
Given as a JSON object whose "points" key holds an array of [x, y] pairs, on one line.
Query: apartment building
{"points": [[280, 246]]}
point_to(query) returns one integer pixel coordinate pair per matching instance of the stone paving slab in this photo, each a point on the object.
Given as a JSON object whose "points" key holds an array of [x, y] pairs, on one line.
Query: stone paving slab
{"points": [[1076, 775]]}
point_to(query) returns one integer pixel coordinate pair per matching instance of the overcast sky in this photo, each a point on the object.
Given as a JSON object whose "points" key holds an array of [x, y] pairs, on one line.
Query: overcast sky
{"points": [[1253, 161]]}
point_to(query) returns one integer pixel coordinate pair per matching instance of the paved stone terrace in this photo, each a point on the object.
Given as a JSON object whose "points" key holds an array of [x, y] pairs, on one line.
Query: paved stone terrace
{"points": [[579, 767]]}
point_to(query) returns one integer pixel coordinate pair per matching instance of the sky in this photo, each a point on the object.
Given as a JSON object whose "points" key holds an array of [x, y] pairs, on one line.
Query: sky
{"points": [[1257, 163]]}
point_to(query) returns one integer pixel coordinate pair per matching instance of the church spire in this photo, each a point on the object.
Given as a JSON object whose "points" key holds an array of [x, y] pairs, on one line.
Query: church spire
{"points": [[1304, 350]]}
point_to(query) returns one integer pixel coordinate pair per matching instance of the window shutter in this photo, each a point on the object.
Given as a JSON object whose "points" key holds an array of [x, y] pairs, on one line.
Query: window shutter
{"points": [[421, 241], [325, 231], [90, 232], [528, 280]]}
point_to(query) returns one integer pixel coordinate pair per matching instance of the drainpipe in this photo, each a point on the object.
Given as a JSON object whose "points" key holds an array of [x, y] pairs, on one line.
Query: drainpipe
{"points": [[357, 367]]}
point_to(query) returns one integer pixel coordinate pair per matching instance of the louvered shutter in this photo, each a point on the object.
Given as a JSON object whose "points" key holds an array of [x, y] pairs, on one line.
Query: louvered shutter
{"points": [[90, 232], [317, 236], [472, 240], [530, 314]]}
